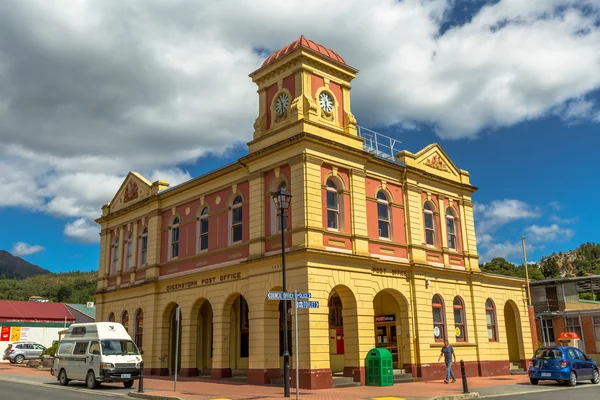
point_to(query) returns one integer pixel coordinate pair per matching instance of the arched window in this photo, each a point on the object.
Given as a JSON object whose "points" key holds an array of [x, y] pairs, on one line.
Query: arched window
{"points": [[451, 228], [111, 317], [282, 185], [115, 255], [236, 220], [336, 321], [125, 320], [430, 231], [129, 259], [139, 328], [143, 248], [490, 316], [383, 216], [333, 205], [459, 319], [439, 318], [203, 230], [175, 238]]}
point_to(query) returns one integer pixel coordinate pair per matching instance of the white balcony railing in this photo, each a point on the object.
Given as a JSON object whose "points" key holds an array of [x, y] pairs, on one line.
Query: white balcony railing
{"points": [[381, 146]]}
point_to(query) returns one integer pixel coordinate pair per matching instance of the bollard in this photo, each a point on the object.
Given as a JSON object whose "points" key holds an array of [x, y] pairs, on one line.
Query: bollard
{"points": [[141, 380], [464, 377]]}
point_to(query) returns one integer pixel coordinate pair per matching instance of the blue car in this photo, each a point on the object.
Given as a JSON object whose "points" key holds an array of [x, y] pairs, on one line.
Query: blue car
{"points": [[562, 364]]}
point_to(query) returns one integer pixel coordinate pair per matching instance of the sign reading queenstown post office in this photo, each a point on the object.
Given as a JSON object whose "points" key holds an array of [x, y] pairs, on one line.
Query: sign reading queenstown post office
{"points": [[205, 281]]}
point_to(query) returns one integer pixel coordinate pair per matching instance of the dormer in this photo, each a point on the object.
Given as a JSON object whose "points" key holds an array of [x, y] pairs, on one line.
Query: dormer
{"points": [[304, 87]]}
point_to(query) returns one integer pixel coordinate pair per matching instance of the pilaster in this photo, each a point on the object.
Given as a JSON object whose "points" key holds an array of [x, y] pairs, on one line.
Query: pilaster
{"points": [[443, 230], [154, 242], [257, 215], [358, 212], [470, 241], [103, 266], [413, 212], [264, 360], [122, 251], [220, 361]]}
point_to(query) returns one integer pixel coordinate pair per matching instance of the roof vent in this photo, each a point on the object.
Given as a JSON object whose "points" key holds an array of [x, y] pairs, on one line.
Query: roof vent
{"points": [[90, 304]]}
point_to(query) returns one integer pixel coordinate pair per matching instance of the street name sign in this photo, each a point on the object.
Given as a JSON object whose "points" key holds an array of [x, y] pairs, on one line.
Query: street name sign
{"points": [[287, 296], [308, 304]]}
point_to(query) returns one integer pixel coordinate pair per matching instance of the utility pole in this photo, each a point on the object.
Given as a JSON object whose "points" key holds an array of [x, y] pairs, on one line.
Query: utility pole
{"points": [[526, 270]]}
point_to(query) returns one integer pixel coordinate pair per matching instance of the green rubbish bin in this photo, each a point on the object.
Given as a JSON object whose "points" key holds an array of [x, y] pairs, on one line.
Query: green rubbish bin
{"points": [[379, 367]]}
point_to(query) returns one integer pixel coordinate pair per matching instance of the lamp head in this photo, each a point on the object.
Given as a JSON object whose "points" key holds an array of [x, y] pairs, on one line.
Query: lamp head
{"points": [[282, 199]]}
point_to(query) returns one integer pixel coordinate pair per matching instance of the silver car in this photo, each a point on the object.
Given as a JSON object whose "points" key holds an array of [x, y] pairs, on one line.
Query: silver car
{"points": [[18, 352]]}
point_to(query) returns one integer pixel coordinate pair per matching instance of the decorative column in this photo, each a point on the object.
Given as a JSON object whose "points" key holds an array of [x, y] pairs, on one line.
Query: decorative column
{"points": [[264, 361], [257, 215], [154, 243], [120, 256], [358, 212]]}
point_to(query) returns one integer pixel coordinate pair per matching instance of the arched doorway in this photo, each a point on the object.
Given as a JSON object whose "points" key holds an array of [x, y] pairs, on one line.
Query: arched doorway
{"points": [[204, 349], [391, 325], [239, 335], [513, 327], [344, 357]]}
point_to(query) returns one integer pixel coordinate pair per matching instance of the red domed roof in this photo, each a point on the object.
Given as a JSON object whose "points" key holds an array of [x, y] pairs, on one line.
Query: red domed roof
{"points": [[309, 44]]}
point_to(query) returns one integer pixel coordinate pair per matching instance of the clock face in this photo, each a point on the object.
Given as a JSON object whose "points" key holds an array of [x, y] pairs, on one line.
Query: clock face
{"points": [[326, 102], [281, 104]]}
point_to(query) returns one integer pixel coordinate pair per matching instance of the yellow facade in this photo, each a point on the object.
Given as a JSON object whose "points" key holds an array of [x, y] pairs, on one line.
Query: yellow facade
{"points": [[395, 277]]}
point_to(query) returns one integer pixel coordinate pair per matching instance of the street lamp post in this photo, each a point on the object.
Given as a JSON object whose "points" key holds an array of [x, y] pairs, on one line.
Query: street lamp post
{"points": [[282, 201]]}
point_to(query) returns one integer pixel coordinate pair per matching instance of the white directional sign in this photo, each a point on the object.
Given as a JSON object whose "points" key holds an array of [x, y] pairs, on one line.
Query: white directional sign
{"points": [[308, 304], [280, 296], [287, 296]]}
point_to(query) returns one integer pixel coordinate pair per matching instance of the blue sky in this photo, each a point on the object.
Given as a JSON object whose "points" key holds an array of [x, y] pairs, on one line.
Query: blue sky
{"points": [[509, 89]]}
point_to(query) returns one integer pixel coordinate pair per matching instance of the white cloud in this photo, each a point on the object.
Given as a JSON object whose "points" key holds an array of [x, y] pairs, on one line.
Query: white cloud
{"points": [[24, 249], [548, 233], [174, 176], [82, 230], [91, 90], [492, 216]]}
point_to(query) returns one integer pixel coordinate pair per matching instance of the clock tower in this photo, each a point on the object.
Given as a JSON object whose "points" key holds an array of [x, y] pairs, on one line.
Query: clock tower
{"points": [[304, 88]]}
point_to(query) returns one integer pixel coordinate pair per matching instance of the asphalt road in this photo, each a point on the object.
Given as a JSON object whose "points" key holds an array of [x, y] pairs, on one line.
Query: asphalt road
{"points": [[74, 391]]}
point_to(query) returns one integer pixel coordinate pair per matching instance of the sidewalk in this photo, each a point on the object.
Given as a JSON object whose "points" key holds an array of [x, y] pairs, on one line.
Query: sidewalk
{"points": [[202, 389]]}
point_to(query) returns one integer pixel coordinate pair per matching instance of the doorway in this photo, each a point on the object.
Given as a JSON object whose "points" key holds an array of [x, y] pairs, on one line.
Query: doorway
{"points": [[386, 336]]}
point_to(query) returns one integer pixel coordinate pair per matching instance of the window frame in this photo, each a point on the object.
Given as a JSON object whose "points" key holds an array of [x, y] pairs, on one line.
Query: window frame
{"points": [[463, 324], [143, 243], [334, 211], [430, 210], [115, 256], [388, 218], [138, 334], [494, 320], [174, 244], [596, 327], [233, 225], [337, 310], [451, 215], [441, 325], [202, 217], [129, 254], [125, 320], [574, 327], [111, 317]]}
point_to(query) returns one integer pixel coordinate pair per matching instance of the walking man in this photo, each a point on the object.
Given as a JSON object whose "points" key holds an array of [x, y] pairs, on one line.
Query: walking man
{"points": [[448, 353]]}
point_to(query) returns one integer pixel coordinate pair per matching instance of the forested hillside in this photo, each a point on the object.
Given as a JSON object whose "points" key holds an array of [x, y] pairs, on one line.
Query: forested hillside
{"points": [[585, 260], [69, 287]]}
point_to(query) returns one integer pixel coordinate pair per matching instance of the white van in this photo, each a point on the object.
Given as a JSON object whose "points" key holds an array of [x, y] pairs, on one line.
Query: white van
{"points": [[97, 352]]}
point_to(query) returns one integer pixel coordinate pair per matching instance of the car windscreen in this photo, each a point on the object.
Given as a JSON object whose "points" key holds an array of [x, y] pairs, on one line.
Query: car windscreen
{"points": [[119, 347], [548, 353]]}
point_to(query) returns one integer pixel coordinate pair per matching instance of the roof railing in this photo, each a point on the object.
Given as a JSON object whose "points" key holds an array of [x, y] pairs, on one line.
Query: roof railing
{"points": [[380, 145]]}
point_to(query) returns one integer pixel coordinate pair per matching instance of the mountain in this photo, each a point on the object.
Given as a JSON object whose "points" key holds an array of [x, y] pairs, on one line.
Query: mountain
{"points": [[15, 267]]}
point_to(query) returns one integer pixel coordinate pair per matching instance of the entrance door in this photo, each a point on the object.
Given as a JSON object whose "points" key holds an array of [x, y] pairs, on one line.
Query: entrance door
{"points": [[385, 337]]}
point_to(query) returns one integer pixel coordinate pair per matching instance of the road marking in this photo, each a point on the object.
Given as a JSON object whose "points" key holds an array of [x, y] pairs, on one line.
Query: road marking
{"points": [[387, 398], [46, 385]]}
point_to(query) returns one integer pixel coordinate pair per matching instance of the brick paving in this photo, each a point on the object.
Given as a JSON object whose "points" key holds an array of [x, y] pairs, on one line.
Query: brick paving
{"points": [[202, 389]]}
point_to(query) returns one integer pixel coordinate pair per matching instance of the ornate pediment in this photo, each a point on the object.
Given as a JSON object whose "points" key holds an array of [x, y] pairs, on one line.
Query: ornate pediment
{"points": [[434, 160], [135, 188]]}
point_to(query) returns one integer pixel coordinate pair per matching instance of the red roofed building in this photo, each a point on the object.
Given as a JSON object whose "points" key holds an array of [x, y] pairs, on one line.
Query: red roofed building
{"points": [[29, 311]]}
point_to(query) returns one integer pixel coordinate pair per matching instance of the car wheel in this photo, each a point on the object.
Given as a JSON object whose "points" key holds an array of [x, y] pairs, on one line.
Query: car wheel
{"points": [[573, 379], [90, 380], [128, 384], [596, 377], [19, 359], [534, 381], [62, 378]]}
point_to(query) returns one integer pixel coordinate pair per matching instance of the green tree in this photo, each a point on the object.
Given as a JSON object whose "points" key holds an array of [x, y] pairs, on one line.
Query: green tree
{"points": [[550, 268], [499, 266]]}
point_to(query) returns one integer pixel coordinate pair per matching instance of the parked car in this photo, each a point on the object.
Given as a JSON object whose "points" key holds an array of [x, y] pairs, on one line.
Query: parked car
{"points": [[18, 352], [562, 364]]}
